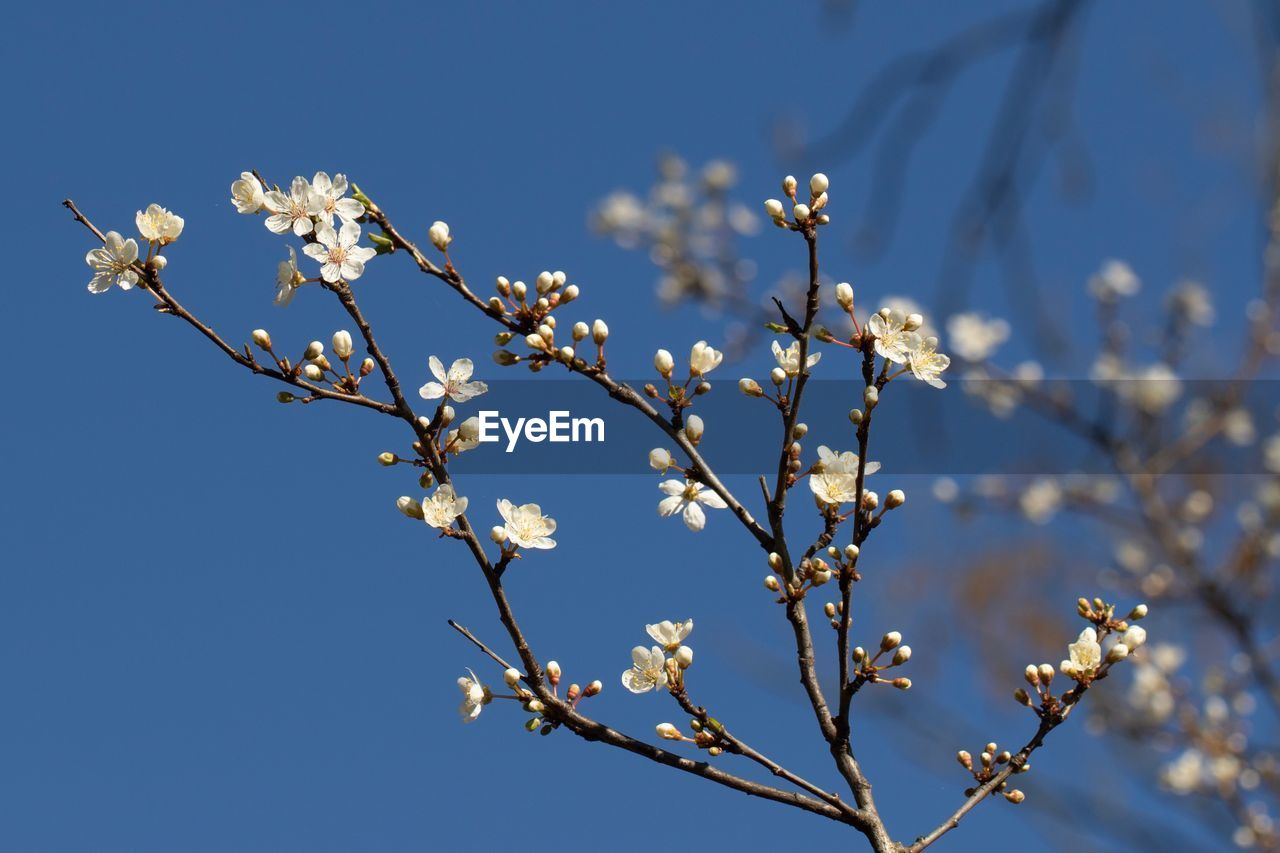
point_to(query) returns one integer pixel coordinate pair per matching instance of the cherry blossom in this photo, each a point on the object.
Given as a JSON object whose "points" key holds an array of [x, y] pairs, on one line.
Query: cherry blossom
{"points": [[112, 263], [686, 497], [454, 384]]}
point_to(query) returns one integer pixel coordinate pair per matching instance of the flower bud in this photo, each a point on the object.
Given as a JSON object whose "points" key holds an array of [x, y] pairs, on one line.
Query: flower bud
{"points": [[592, 689], [667, 731], [777, 376], [775, 560], [750, 387], [902, 655], [567, 354], [870, 396], [912, 322], [314, 351], [159, 262], [693, 429], [789, 185], [664, 363], [409, 507], [684, 657], [569, 294], [1117, 653], [511, 677], [599, 332], [829, 609], [321, 362], [800, 212], [870, 500], [366, 367], [1046, 674], [1138, 612], [535, 705], [580, 330], [859, 654], [284, 397], [446, 415], [575, 690], [773, 207], [965, 759], [313, 373], [387, 458], [1135, 636], [851, 552], [1032, 675], [771, 584], [660, 459], [1015, 796], [439, 235], [818, 184], [342, 346], [895, 499], [544, 281], [506, 358], [498, 534], [890, 640], [518, 290], [262, 339], [553, 668], [844, 295], [902, 683], [856, 416]]}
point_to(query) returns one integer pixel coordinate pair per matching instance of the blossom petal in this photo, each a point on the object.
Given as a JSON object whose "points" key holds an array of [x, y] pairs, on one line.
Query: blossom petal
{"points": [[694, 518], [431, 391]]}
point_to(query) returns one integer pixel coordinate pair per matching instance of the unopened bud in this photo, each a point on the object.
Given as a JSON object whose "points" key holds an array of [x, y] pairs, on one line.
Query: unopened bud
{"points": [[366, 367], [592, 689], [387, 458], [409, 507], [851, 552], [895, 499], [693, 429], [912, 322], [511, 677], [1117, 653], [789, 185], [871, 396], [314, 349], [664, 363], [667, 731], [569, 294], [599, 332], [684, 657], [777, 376], [890, 640], [342, 346], [1138, 612], [902, 655], [439, 235], [750, 387], [262, 339], [1135, 636], [284, 397], [902, 683], [818, 184], [774, 208], [498, 534], [553, 671], [1046, 674], [830, 609], [801, 212], [1015, 796], [965, 759], [844, 295], [771, 584], [856, 416], [313, 373], [1022, 696]]}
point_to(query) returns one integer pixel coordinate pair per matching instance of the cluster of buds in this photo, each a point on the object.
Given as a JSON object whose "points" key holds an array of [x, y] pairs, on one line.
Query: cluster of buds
{"points": [[1086, 661], [533, 705], [991, 762], [315, 366], [868, 667], [533, 311], [708, 734], [703, 358], [804, 214]]}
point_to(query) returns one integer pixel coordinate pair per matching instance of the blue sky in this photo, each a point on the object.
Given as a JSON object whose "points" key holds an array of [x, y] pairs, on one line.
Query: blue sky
{"points": [[219, 635]]}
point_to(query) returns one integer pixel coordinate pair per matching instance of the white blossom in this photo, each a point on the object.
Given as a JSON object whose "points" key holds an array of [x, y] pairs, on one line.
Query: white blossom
{"points": [[648, 670], [975, 337], [1113, 280], [474, 697], [686, 498], [247, 194], [443, 507], [288, 277], [526, 526], [926, 362], [660, 459], [834, 479], [454, 384], [338, 253], [893, 341], [329, 198], [292, 211], [789, 358], [1041, 499], [159, 225], [342, 345], [670, 634], [1085, 655], [111, 263], [703, 359]]}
